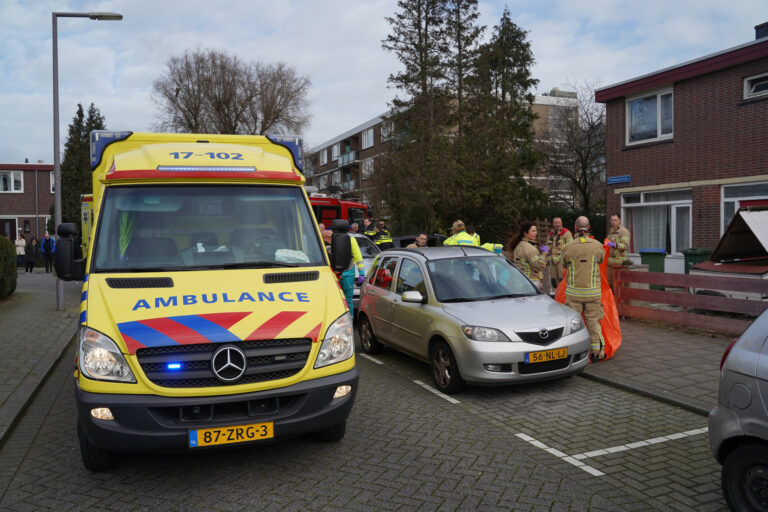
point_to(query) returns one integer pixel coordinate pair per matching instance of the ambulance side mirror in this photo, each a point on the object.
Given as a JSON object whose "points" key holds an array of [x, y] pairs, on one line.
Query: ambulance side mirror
{"points": [[341, 252], [68, 260]]}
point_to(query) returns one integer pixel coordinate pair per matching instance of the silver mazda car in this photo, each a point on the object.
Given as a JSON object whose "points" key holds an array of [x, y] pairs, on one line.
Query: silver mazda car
{"points": [[471, 315]]}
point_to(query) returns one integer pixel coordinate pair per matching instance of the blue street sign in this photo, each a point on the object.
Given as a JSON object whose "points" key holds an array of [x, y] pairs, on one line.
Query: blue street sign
{"points": [[619, 179]]}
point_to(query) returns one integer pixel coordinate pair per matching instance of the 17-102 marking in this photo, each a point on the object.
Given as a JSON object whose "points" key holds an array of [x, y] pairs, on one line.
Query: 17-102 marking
{"points": [[183, 155]]}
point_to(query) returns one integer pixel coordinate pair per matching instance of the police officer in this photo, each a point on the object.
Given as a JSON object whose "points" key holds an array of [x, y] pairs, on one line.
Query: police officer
{"points": [[618, 241], [368, 229], [582, 258], [460, 236], [557, 238], [383, 238]]}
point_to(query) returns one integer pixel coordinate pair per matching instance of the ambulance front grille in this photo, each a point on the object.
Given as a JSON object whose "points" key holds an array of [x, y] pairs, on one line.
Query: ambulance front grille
{"points": [[187, 366]]}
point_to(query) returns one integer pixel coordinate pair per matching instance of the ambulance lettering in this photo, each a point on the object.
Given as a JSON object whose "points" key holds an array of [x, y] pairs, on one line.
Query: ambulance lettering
{"points": [[213, 298]]}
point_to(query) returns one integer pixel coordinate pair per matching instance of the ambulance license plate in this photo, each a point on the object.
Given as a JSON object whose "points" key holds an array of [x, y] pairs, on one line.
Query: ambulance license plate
{"points": [[546, 355], [228, 435]]}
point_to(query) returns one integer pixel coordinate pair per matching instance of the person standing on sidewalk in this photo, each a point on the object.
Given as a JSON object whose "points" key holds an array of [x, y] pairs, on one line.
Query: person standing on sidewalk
{"points": [[30, 255], [48, 248], [557, 238], [618, 241], [582, 258], [20, 243]]}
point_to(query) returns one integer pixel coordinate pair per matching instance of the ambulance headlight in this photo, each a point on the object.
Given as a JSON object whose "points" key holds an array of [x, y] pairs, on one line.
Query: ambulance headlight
{"points": [[100, 358], [338, 344]]}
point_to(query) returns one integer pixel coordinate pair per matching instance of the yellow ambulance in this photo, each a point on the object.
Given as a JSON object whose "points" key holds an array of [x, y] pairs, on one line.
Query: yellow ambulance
{"points": [[210, 314]]}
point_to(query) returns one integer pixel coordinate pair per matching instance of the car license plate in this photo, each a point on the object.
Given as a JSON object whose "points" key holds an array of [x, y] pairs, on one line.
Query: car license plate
{"points": [[546, 355], [228, 435]]}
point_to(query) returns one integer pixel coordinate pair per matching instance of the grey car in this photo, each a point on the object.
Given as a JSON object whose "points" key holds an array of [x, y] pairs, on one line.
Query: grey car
{"points": [[738, 425], [471, 315]]}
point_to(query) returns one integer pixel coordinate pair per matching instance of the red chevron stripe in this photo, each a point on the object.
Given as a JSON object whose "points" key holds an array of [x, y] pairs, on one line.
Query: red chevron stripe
{"points": [[275, 325], [314, 333], [225, 320], [131, 344], [181, 334]]}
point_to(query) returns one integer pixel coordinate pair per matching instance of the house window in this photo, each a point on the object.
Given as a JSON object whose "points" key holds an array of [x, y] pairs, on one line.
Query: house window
{"points": [[386, 130], [335, 177], [367, 168], [52, 182], [649, 117], [367, 138], [335, 149], [11, 181], [323, 181], [323, 156], [755, 86], [736, 196], [658, 220]]}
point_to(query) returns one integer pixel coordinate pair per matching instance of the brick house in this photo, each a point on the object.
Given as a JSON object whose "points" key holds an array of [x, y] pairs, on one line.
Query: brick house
{"points": [[26, 196], [686, 146], [343, 165]]}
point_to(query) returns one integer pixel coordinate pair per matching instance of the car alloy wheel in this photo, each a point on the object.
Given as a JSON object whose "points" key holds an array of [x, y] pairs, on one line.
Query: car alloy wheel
{"points": [[367, 339], [445, 371]]}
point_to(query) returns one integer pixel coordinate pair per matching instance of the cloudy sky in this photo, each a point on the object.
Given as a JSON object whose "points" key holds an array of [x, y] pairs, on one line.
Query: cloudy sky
{"points": [[336, 43]]}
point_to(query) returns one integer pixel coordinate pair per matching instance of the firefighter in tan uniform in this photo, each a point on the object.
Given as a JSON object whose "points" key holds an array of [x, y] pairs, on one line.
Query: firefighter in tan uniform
{"points": [[523, 252], [582, 258], [618, 237], [557, 238]]}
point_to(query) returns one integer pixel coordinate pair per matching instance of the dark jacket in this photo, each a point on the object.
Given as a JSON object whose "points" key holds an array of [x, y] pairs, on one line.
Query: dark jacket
{"points": [[30, 252]]}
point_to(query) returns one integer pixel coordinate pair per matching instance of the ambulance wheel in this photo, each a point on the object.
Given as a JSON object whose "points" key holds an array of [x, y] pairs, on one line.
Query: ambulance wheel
{"points": [[94, 458], [334, 433], [445, 371], [367, 339]]}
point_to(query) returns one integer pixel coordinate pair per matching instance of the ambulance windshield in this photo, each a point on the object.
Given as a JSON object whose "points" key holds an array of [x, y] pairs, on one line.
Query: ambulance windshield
{"points": [[193, 227]]}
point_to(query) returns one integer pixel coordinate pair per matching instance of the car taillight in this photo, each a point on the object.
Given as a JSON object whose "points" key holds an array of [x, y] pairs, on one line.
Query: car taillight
{"points": [[727, 351]]}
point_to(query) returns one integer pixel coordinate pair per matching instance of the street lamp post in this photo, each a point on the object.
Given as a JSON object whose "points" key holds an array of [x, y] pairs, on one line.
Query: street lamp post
{"points": [[56, 151]]}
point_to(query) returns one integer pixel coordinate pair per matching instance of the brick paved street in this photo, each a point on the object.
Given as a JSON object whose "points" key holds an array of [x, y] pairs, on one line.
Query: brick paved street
{"points": [[405, 449]]}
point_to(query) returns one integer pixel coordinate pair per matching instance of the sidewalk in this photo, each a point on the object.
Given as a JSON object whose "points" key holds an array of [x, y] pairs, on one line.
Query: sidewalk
{"points": [[33, 335], [667, 364], [671, 365]]}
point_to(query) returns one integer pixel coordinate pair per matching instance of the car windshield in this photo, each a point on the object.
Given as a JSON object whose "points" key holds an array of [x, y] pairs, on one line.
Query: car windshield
{"points": [[186, 227], [467, 278]]}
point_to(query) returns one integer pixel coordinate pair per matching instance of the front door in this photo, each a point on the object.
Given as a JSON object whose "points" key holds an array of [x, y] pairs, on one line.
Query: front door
{"points": [[412, 323], [8, 228]]}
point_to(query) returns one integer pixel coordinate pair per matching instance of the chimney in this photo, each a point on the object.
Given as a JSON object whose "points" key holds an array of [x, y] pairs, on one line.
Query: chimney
{"points": [[761, 30]]}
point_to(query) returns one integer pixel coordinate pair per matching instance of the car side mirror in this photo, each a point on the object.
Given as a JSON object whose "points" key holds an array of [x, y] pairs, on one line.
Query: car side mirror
{"points": [[68, 261], [414, 296]]}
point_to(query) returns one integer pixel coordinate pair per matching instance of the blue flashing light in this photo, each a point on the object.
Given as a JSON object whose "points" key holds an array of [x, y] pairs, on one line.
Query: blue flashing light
{"points": [[293, 144], [100, 139], [173, 366]]}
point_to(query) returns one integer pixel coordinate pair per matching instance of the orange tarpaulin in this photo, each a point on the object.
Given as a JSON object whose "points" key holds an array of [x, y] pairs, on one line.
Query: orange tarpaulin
{"points": [[610, 322]]}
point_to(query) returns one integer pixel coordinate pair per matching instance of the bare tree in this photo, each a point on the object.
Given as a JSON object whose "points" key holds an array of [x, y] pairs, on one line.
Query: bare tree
{"points": [[212, 92], [576, 148]]}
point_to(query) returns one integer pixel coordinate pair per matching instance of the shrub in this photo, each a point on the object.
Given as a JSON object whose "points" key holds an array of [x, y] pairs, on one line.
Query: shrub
{"points": [[8, 271]]}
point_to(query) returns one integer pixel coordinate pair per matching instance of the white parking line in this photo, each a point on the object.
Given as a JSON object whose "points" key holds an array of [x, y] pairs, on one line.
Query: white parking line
{"points": [[576, 459], [557, 453], [373, 359], [638, 444], [433, 390]]}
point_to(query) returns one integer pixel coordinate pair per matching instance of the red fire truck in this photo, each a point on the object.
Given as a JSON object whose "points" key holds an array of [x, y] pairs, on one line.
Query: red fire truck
{"points": [[328, 208]]}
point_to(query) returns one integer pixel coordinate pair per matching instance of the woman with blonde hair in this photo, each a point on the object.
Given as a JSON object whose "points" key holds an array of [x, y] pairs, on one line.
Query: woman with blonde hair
{"points": [[522, 250]]}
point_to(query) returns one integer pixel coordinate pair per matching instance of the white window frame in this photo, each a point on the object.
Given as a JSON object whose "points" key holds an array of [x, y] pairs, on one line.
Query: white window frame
{"points": [[366, 168], [748, 86], [323, 156], [335, 152], [625, 207], [323, 181], [335, 177], [52, 180], [628, 120], [386, 130], [736, 201], [13, 182], [367, 139]]}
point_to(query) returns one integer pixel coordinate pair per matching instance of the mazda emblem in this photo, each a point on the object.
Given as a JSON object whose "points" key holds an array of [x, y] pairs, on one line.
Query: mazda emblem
{"points": [[228, 363], [543, 334]]}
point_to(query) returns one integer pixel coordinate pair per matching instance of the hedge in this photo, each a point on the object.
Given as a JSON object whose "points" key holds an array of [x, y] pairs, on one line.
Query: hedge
{"points": [[8, 272]]}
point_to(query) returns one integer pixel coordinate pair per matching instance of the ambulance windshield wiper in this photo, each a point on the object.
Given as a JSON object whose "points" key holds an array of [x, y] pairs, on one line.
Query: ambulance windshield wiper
{"points": [[252, 264]]}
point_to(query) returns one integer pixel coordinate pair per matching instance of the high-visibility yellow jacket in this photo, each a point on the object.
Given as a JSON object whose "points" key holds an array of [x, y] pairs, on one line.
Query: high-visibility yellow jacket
{"points": [[582, 258], [619, 236], [529, 260], [461, 238], [492, 247], [357, 257]]}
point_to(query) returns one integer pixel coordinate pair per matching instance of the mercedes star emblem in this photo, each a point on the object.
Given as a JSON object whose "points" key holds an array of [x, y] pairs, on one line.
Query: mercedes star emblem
{"points": [[228, 363]]}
